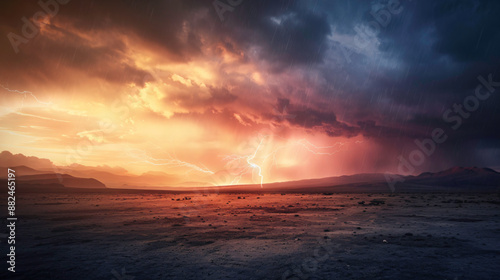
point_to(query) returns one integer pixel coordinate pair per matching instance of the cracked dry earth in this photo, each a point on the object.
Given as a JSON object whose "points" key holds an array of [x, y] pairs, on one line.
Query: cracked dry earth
{"points": [[127, 236]]}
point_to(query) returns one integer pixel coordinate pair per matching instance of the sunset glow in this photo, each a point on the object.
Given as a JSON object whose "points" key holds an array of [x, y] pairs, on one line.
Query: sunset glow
{"points": [[170, 87]]}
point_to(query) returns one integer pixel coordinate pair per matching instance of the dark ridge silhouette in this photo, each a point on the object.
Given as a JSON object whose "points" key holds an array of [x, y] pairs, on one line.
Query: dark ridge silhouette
{"points": [[456, 179], [62, 179], [22, 170], [459, 177]]}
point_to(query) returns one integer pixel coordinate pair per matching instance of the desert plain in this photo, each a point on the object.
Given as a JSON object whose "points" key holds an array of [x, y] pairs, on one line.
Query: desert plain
{"points": [[126, 235]]}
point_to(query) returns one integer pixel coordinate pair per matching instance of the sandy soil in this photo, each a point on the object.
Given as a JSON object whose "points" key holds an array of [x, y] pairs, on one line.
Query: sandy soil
{"points": [[256, 236]]}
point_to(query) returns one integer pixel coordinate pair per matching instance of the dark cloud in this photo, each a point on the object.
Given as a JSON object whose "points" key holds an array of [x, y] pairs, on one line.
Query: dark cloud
{"points": [[162, 24], [287, 32], [308, 118], [427, 58]]}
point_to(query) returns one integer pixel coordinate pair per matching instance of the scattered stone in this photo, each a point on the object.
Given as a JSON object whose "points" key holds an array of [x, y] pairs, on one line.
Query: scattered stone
{"points": [[376, 202]]}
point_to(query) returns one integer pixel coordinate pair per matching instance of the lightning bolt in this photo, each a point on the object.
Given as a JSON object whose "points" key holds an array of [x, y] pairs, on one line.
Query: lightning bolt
{"points": [[242, 165], [309, 147], [171, 162], [253, 165], [24, 93]]}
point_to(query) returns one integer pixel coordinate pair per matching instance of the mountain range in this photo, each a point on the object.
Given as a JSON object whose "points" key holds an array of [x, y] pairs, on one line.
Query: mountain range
{"points": [[49, 176], [457, 179]]}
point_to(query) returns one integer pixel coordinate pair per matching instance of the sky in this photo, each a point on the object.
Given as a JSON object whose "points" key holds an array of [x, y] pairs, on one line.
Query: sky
{"points": [[252, 91]]}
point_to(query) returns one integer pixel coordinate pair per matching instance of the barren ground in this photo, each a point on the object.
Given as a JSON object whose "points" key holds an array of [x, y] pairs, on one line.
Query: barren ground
{"points": [[256, 236]]}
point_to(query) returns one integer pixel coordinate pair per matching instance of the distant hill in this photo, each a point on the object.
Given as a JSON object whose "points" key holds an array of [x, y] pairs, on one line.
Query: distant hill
{"points": [[62, 179], [28, 176], [90, 178], [456, 179], [122, 181], [22, 170]]}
